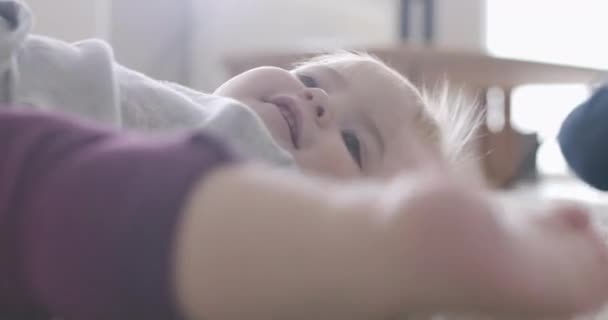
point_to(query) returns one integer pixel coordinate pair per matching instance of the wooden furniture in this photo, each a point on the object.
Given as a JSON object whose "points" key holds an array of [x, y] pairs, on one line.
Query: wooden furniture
{"points": [[474, 71]]}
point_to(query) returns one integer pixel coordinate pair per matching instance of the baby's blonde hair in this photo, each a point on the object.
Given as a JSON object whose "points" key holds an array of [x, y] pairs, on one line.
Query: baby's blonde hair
{"points": [[449, 119]]}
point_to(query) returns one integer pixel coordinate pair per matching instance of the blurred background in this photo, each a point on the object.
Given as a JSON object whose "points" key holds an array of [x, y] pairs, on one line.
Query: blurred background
{"points": [[527, 62]]}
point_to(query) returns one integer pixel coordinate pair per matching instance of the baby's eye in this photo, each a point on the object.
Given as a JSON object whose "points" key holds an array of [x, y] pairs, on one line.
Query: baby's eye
{"points": [[308, 81], [351, 141]]}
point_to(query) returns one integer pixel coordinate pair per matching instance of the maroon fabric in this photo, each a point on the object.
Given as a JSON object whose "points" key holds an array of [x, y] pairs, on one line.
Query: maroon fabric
{"points": [[88, 216]]}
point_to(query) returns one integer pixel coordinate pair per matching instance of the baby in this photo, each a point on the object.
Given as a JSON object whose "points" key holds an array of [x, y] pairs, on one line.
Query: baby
{"points": [[350, 115], [341, 116]]}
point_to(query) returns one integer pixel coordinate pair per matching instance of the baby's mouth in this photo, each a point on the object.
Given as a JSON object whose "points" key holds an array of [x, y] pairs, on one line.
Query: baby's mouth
{"points": [[287, 108], [290, 118]]}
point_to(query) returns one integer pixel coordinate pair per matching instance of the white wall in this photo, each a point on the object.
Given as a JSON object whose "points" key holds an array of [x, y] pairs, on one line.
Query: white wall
{"points": [[461, 24], [147, 35], [151, 35], [71, 20], [241, 26], [228, 26]]}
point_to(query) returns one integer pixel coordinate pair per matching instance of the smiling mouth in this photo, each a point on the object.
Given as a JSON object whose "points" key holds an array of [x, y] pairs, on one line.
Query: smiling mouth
{"points": [[290, 119]]}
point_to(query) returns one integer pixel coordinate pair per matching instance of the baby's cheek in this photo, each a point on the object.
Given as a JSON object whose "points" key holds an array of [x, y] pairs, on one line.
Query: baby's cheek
{"points": [[409, 154], [392, 167], [327, 162]]}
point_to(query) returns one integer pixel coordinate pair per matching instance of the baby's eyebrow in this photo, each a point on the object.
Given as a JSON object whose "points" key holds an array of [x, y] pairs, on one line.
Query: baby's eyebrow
{"points": [[339, 77], [334, 75]]}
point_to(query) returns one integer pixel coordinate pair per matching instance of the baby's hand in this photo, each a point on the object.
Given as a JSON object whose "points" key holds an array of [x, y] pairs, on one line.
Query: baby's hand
{"points": [[463, 252]]}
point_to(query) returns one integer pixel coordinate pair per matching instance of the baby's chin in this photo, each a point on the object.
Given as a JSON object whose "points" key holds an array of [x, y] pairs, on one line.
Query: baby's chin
{"points": [[274, 123], [278, 135]]}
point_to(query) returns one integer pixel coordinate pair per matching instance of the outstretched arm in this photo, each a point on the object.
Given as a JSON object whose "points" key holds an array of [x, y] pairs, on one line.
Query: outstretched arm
{"points": [[103, 225]]}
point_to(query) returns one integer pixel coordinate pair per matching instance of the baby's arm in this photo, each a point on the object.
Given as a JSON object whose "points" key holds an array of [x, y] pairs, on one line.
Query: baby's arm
{"points": [[295, 247], [584, 139], [101, 225], [291, 247]]}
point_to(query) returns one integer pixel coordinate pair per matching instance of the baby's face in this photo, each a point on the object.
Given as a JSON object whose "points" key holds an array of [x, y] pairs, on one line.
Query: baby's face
{"points": [[342, 122]]}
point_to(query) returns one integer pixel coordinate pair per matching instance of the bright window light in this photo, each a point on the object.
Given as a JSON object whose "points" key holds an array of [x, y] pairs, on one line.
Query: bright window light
{"points": [[542, 109], [565, 32], [569, 32]]}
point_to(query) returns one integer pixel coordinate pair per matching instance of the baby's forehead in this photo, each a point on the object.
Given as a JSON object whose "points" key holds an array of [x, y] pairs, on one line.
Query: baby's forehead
{"points": [[369, 76]]}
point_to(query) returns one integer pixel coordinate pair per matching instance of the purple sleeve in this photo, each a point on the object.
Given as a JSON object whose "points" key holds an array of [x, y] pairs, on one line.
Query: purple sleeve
{"points": [[88, 216]]}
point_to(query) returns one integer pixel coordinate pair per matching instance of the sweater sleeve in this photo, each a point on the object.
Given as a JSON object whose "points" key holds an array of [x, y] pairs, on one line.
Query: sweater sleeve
{"points": [[583, 139], [87, 217]]}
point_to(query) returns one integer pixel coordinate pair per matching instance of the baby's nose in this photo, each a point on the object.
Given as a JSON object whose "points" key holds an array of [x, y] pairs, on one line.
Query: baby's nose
{"points": [[315, 95], [318, 100]]}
